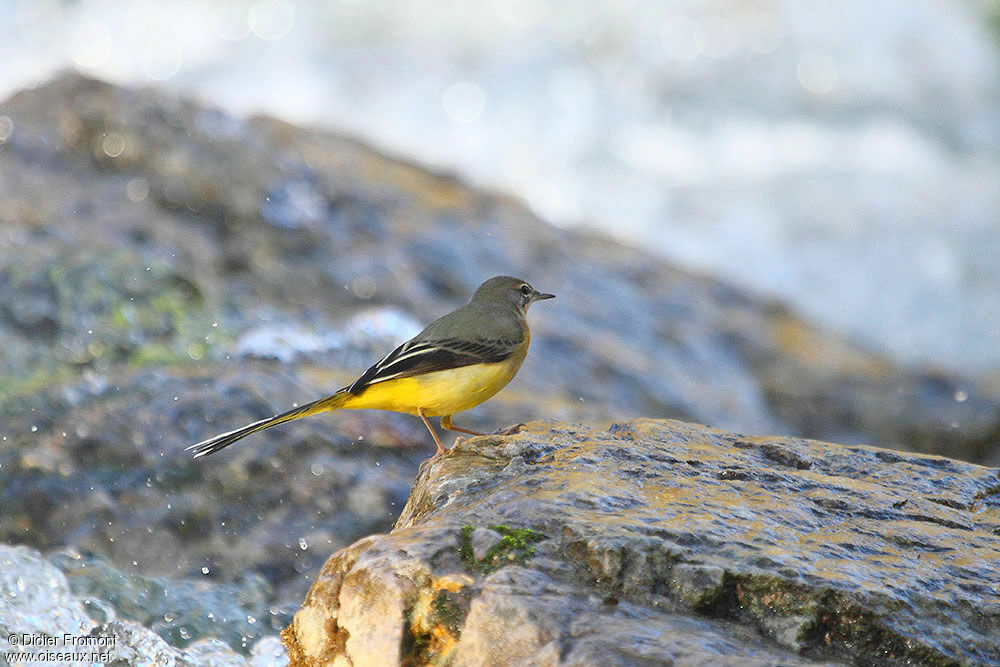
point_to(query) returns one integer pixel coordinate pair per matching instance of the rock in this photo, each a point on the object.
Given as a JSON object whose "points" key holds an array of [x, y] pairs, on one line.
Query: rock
{"points": [[37, 600], [180, 611], [657, 541], [35, 597], [132, 645], [124, 488], [315, 228], [697, 586], [481, 541]]}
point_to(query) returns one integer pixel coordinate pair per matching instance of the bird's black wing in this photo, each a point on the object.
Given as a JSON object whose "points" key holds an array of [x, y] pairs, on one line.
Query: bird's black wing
{"points": [[416, 357]]}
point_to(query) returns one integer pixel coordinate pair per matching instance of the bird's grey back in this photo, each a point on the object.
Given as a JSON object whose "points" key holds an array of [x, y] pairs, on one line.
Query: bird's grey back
{"points": [[490, 319]]}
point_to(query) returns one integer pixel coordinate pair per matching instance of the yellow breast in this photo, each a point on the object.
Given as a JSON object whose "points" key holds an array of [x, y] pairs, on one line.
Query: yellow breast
{"points": [[440, 392]]}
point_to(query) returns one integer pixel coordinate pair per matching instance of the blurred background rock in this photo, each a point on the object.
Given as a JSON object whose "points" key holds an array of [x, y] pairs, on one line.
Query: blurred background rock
{"points": [[173, 268]]}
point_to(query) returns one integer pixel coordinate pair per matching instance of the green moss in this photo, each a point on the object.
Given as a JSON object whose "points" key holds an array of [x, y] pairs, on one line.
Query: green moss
{"points": [[515, 546], [156, 354], [449, 611], [764, 596], [465, 547], [102, 310], [41, 377]]}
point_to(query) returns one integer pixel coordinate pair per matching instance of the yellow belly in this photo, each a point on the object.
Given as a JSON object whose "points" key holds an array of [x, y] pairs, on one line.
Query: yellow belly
{"points": [[441, 392]]}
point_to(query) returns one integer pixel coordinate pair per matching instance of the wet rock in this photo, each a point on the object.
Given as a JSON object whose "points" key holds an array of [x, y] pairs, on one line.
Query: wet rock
{"points": [[313, 228], [123, 487], [697, 586], [629, 546], [178, 610], [78, 597], [132, 644], [35, 597]]}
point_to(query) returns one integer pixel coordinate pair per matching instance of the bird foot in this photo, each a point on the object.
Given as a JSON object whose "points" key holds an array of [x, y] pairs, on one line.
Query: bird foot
{"points": [[438, 454], [510, 430]]}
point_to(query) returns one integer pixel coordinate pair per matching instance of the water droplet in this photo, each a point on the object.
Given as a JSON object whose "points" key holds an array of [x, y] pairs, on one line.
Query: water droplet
{"points": [[303, 544], [34, 429], [205, 570], [137, 190], [113, 144], [961, 395]]}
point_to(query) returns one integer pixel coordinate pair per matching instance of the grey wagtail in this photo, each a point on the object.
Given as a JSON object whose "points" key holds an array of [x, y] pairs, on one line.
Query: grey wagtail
{"points": [[454, 364]]}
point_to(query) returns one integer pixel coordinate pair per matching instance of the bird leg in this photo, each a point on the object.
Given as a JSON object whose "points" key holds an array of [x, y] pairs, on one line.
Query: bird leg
{"points": [[441, 450], [446, 423]]}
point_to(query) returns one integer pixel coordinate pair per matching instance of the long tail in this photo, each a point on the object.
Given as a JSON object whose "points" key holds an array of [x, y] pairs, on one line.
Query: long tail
{"points": [[223, 440]]}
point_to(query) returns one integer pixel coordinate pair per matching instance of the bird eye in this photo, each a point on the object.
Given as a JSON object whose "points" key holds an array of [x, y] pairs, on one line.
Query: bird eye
{"points": [[526, 289]]}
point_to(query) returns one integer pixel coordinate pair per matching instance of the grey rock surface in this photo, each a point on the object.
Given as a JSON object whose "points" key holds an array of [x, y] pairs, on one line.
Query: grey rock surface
{"points": [[656, 541]]}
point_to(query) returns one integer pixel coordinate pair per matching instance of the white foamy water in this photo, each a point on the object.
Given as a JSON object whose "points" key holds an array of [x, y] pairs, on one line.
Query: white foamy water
{"points": [[843, 156]]}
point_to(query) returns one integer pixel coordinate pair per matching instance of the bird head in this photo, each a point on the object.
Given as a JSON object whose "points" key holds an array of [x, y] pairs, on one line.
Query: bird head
{"points": [[510, 290]]}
